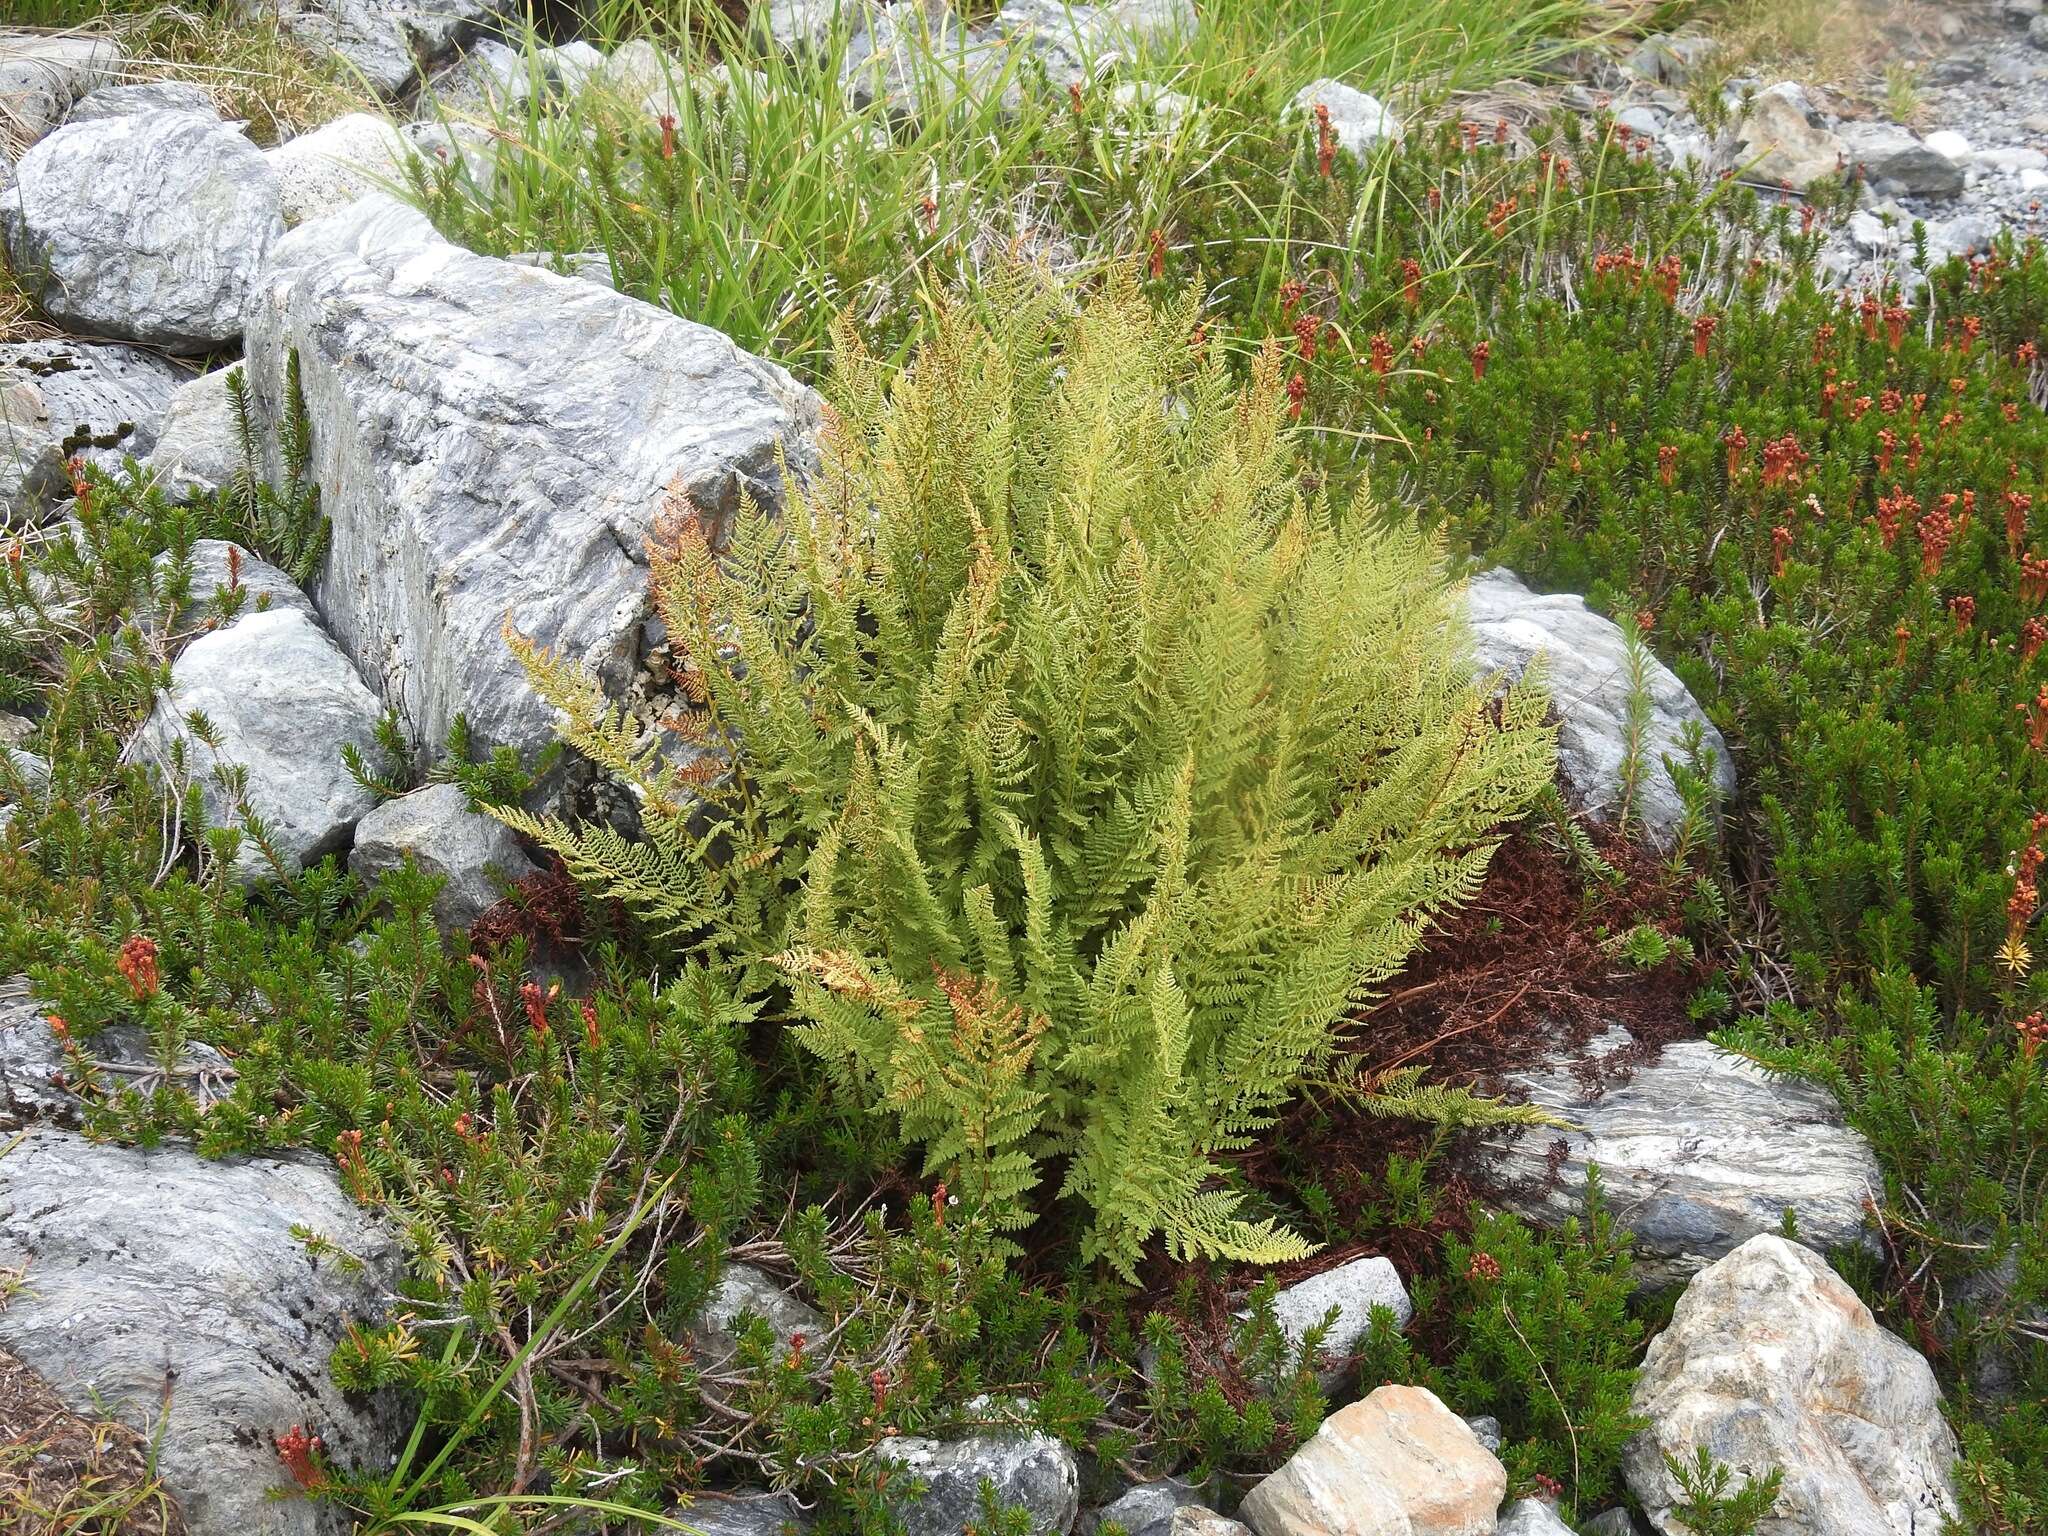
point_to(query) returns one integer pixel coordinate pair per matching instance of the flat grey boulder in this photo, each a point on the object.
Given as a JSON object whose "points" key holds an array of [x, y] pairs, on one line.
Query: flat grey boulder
{"points": [[148, 96], [283, 701], [474, 855], [1898, 163], [1771, 1360], [60, 399], [170, 1291], [199, 443], [743, 1291], [149, 228], [35, 1073], [493, 442], [1030, 1470], [1356, 118], [1698, 1152], [1587, 672], [390, 44], [42, 74]]}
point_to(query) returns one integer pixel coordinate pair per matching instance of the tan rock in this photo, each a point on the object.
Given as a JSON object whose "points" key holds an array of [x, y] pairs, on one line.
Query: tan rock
{"points": [[1397, 1464]]}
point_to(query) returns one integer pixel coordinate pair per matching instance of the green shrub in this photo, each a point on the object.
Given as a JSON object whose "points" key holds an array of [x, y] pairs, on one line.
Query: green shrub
{"points": [[1547, 1345], [1113, 779]]}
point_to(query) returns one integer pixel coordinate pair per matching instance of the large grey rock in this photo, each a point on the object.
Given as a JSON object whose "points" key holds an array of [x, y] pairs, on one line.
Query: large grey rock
{"points": [[1699, 1151], [492, 442], [170, 1291], [1357, 119], [1398, 1463], [60, 399], [1587, 673], [1149, 1508], [284, 701], [1030, 1470], [1781, 136], [1771, 1360], [390, 44], [1611, 1522], [474, 855], [742, 1291], [42, 74], [35, 1073], [329, 168], [199, 444], [1199, 1520], [1898, 162], [149, 228], [148, 96], [1353, 1290]]}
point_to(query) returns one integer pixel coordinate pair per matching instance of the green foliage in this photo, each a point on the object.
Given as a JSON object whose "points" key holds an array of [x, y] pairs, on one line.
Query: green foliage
{"points": [[1547, 1343], [1709, 1509], [1113, 777]]}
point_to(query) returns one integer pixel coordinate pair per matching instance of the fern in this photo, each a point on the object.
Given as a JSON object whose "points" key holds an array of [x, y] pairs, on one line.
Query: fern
{"points": [[1063, 758]]}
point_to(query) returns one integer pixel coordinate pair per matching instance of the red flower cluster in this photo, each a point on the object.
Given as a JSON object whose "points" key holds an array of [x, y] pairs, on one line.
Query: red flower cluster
{"points": [[137, 962], [299, 1452]]}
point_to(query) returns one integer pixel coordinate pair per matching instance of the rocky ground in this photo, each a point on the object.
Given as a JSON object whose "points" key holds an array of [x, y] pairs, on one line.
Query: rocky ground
{"points": [[477, 420]]}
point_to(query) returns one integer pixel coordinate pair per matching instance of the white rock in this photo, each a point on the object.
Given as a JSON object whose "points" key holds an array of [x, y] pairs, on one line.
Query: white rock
{"points": [[2011, 159], [1587, 673], [329, 168], [63, 399], [804, 29], [42, 74], [495, 440], [159, 1265], [283, 701], [1698, 1150], [1531, 1517], [199, 446], [474, 854], [149, 96], [1946, 141], [164, 250], [1771, 1360], [1358, 119], [1399, 1463], [1353, 1289]]}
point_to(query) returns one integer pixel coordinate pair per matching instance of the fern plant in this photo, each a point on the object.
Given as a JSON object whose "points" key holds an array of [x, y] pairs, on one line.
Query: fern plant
{"points": [[1076, 773]]}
